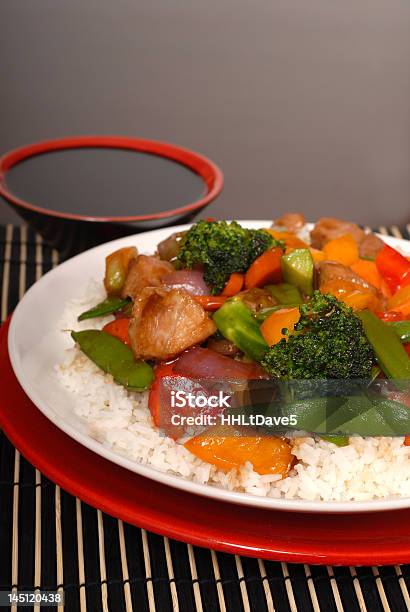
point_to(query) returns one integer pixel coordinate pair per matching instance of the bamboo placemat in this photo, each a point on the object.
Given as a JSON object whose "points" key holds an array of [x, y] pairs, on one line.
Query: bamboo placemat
{"points": [[51, 540]]}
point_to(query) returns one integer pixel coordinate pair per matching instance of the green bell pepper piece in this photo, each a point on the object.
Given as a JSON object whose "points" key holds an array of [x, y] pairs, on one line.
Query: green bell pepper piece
{"points": [[236, 323], [297, 270], [285, 293], [388, 349], [115, 358], [107, 306]]}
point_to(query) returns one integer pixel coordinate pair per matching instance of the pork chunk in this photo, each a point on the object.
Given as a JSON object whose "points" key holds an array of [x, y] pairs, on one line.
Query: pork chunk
{"points": [[370, 246], [165, 323], [257, 298], [144, 271], [327, 271], [292, 221], [328, 228]]}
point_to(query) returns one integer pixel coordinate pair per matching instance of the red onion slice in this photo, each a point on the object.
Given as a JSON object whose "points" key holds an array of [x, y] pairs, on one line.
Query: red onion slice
{"points": [[205, 363], [190, 280]]}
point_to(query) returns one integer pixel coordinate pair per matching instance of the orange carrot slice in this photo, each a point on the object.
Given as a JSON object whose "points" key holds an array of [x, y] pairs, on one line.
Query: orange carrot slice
{"points": [[404, 309], [289, 238], [227, 449], [352, 294], [343, 250], [271, 328], [234, 284], [265, 269], [316, 254], [367, 270]]}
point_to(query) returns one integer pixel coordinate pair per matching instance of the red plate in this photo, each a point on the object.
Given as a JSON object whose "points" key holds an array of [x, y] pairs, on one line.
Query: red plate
{"points": [[359, 539]]}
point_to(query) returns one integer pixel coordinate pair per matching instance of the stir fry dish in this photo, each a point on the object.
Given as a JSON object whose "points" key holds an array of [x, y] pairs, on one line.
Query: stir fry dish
{"points": [[222, 301]]}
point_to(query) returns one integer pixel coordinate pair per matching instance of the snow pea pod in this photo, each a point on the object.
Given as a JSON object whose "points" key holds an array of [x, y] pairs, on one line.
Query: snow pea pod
{"points": [[363, 415], [310, 414], [115, 358], [401, 328], [108, 306], [369, 416], [338, 440], [388, 349]]}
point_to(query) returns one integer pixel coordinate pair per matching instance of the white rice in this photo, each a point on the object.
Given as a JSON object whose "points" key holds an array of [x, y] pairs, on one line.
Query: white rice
{"points": [[368, 468]]}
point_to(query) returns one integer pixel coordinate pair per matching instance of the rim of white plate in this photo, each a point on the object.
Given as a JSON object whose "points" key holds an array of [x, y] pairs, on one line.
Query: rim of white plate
{"points": [[34, 294]]}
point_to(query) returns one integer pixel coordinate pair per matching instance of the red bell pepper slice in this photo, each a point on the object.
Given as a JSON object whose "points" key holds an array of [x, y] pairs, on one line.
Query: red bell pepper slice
{"points": [[391, 315], [119, 329], [154, 400], [394, 268], [160, 404], [210, 302]]}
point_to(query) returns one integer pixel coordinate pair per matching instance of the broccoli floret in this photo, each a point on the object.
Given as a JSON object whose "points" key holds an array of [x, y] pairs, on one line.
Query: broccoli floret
{"points": [[328, 342], [260, 241], [222, 248]]}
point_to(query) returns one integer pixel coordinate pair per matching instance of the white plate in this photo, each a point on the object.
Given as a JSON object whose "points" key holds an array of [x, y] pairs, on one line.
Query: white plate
{"points": [[36, 346]]}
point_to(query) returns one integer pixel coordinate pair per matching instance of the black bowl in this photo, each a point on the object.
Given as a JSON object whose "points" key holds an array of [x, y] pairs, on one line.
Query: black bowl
{"points": [[70, 229]]}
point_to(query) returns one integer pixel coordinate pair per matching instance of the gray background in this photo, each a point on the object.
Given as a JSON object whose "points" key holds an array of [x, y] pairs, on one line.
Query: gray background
{"points": [[304, 104]]}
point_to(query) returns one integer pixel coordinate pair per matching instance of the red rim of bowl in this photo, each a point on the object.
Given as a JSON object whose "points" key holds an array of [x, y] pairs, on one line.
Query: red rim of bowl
{"points": [[205, 168]]}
